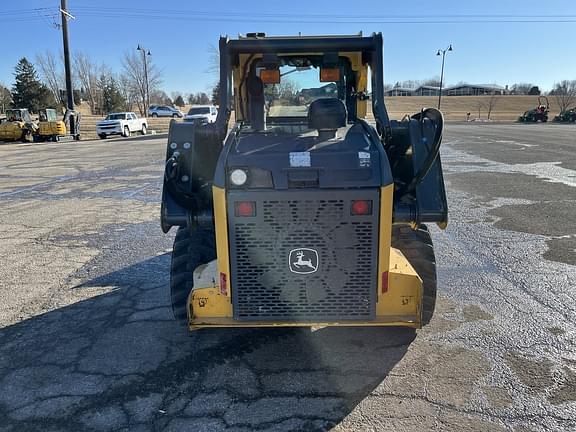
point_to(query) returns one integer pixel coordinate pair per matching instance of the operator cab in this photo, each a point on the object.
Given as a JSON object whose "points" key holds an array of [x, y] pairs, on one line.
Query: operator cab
{"points": [[310, 108], [280, 89]]}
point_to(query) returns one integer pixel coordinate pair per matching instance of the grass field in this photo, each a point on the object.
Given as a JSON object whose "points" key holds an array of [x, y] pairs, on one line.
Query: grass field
{"points": [[507, 108]]}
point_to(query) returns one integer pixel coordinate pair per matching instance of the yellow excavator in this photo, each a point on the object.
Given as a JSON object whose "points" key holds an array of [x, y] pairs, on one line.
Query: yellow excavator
{"points": [[18, 126], [52, 129]]}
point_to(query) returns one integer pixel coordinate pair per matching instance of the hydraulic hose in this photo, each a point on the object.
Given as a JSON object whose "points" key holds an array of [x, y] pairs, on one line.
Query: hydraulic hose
{"points": [[437, 119], [171, 175]]}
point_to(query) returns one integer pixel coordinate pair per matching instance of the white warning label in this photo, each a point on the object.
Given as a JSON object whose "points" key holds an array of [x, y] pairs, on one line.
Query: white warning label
{"points": [[300, 159]]}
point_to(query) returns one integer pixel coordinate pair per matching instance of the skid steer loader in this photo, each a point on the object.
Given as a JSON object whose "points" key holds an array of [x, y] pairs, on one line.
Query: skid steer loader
{"points": [[306, 211]]}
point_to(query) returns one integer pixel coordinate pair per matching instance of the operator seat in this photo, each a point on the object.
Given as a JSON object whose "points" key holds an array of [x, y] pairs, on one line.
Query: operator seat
{"points": [[326, 115]]}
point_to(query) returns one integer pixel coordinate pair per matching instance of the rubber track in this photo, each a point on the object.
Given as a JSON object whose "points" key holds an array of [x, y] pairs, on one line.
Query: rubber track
{"points": [[191, 249]]}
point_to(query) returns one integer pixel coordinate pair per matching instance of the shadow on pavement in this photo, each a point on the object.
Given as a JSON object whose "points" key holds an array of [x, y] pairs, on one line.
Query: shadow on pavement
{"points": [[119, 362]]}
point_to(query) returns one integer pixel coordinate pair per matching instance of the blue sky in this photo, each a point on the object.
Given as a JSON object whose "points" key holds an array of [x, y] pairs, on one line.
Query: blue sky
{"points": [[484, 52]]}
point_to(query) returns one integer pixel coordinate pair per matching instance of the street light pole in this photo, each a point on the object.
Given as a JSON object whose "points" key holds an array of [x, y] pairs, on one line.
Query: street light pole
{"points": [[147, 89], [443, 53]]}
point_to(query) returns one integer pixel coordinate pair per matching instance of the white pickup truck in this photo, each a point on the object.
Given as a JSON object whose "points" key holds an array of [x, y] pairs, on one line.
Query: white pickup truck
{"points": [[205, 113], [122, 123]]}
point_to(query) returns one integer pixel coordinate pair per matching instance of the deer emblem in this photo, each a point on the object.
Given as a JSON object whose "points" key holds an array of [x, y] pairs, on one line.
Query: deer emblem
{"points": [[301, 262]]}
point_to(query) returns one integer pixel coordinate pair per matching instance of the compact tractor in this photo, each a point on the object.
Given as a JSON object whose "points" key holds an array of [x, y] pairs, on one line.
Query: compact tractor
{"points": [[18, 126], [567, 116], [540, 113], [52, 129], [307, 211]]}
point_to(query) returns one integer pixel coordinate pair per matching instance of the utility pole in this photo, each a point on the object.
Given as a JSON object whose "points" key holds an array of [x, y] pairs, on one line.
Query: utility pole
{"points": [[443, 54], [145, 54], [68, 72], [65, 15]]}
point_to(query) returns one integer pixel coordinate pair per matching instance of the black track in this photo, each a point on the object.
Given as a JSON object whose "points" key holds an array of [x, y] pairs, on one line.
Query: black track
{"points": [[191, 249]]}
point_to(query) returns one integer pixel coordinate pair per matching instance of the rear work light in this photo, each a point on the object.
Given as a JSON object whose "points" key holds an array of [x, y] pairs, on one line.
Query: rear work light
{"points": [[245, 208], [361, 208]]}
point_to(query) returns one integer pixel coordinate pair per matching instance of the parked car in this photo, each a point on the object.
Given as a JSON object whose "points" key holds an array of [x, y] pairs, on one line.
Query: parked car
{"points": [[206, 113], [122, 123], [164, 111]]}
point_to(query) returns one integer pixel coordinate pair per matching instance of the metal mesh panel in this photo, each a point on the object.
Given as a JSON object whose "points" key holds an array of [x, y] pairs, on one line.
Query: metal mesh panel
{"points": [[266, 248]]}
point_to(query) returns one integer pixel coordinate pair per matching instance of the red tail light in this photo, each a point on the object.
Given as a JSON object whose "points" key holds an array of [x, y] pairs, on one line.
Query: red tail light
{"points": [[361, 208], [223, 284], [245, 208], [384, 282]]}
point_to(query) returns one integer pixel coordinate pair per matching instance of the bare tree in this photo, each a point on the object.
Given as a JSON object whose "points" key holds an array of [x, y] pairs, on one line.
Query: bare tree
{"points": [[433, 82], [213, 60], [133, 65], [200, 98], [410, 84], [5, 98], [287, 89], [129, 93], [565, 94], [51, 73], [521, 88], [160, 97], [87, 73], [491, 103]]}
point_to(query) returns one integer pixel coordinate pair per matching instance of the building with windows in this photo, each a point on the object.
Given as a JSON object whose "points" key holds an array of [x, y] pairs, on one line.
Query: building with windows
{"points": [[399, 91], [327, 90], [475, 90], [425, 90], [459, 90]]}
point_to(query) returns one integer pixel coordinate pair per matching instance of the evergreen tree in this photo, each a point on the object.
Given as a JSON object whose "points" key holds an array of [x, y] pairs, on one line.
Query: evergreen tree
{"points": [[534, 91], [112, 99], [28, 91], [216, 94], [179, 102]]}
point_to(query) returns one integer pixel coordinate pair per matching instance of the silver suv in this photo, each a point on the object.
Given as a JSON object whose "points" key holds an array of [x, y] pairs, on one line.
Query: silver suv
{"points": [[164, 111]]}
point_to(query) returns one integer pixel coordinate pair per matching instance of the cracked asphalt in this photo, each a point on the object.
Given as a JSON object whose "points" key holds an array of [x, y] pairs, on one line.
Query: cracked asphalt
{"points": [[87, 340]]}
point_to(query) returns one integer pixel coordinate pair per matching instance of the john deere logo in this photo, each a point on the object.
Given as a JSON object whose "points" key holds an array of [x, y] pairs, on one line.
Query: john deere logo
{"points": [[303, 261]]}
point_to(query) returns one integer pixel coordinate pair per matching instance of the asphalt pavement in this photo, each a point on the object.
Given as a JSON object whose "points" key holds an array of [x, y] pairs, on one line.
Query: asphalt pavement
{"points": [[87, 339]]}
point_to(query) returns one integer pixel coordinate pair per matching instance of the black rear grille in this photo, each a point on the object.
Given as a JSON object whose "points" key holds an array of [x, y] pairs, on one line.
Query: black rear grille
{"points": [[343, 287]]}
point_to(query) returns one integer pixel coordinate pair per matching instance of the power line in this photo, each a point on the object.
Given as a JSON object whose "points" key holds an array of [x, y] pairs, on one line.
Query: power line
{"points": [[17, 12], [284, 18], [323, 15]]}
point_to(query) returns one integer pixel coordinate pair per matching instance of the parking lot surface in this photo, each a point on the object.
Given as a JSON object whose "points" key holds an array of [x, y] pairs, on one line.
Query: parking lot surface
{"points": [[87, 339]]}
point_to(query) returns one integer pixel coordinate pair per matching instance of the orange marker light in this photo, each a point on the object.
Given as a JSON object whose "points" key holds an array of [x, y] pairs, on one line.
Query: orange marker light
{"points": [[270, 76], [332, 74]]}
